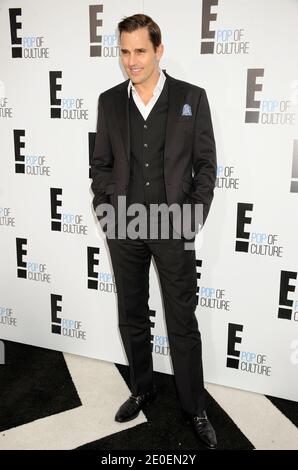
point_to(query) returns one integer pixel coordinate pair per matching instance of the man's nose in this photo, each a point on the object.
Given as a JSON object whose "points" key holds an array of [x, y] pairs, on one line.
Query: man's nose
{"points": [[132, 59]]}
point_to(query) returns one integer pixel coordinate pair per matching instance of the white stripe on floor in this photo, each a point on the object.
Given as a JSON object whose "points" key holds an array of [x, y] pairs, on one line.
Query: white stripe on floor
{"points": [[101, 390], [258, 419]]}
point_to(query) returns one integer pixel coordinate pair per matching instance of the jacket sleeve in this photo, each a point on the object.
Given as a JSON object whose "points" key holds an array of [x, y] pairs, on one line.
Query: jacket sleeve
{"points": [[102, 161], [204, 157]]}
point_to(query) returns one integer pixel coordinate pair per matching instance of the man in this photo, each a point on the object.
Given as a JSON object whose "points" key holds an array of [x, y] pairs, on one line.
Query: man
{"points": [[155, 145]]}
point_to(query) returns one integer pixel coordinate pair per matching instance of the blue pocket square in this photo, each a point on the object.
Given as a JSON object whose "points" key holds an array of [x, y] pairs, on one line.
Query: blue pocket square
{"points": [[186, 111]]}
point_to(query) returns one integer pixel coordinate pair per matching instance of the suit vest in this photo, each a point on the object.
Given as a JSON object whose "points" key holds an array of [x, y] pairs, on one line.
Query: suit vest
{"points": [[147, 141]]}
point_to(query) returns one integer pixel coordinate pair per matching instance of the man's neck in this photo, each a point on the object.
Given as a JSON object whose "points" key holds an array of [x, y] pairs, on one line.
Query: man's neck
{"points": [[146, 89]]}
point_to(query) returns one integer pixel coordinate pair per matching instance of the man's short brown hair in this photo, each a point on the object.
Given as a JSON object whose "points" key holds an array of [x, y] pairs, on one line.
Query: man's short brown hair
{"points": [[134, 22]]}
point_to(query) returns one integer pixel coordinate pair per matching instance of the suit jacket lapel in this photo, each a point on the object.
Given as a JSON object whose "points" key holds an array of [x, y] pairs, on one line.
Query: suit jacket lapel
{"points": [[122, 104], [176, 100]]}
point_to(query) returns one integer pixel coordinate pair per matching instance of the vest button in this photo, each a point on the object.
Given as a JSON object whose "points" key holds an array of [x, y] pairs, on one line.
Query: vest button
{"points": [[145, 126], [146, 164], [146, 146], [147, 183]]}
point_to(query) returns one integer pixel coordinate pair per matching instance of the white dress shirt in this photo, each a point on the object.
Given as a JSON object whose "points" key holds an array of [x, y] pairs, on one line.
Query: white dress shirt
{"points": [[145, 109]]}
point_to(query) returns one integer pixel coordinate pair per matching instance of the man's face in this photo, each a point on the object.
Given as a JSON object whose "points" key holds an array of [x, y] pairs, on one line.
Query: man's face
{"points": [[138, 56]]}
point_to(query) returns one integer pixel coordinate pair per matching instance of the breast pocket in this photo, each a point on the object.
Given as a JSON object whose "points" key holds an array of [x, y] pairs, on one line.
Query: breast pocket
{"points": [[185, 119]]}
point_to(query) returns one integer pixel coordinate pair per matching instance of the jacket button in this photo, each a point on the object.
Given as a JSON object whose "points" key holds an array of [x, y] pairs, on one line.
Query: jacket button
{"points": [[147, 183]]}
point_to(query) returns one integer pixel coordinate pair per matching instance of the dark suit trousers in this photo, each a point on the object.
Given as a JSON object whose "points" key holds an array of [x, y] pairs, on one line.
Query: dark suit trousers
{"points": [[177, 274]]}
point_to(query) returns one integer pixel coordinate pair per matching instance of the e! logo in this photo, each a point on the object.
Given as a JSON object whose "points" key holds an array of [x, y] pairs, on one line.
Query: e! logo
{"points": [[285, 288], [251, 88], [233, 354], [95, 22], [16, 52], [294, 182], [54, 87], [242, 220], [207, 47], [55, 308]]}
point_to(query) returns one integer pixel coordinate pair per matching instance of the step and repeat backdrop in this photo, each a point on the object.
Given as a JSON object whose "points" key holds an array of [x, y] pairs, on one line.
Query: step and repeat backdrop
{"points": [[57, 283]]}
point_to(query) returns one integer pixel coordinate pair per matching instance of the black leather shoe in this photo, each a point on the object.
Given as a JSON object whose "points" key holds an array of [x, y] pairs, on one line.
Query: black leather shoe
{"points": [[203, 429], [132, 407]]}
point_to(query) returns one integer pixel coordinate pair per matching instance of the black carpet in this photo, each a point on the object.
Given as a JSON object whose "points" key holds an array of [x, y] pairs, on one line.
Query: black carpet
{"points": [[287, 407], [34, 383]]}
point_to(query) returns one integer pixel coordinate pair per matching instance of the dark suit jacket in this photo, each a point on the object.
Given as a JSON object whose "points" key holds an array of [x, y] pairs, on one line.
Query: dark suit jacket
{"points": [[189, 153]]}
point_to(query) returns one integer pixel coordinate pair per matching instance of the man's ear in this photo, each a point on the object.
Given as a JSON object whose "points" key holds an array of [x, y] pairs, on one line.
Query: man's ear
{"points": [[159, 51]]}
